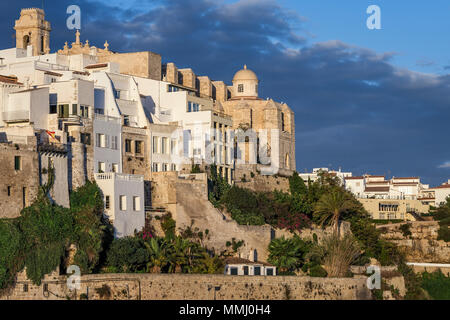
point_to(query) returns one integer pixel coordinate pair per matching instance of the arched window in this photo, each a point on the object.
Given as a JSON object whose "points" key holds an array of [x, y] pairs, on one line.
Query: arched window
{"points": [[240, 88], [287, 163]]}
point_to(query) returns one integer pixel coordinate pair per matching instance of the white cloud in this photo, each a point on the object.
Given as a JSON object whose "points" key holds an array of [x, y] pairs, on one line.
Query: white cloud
{"points": [[445, 165]]}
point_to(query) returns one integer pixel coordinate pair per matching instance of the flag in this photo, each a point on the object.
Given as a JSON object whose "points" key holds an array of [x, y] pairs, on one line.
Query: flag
{"points": [[52, 136]]}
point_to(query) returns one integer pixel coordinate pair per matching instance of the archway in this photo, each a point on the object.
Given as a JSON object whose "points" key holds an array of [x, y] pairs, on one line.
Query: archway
{"points": [[26, 41], [287, 162]]}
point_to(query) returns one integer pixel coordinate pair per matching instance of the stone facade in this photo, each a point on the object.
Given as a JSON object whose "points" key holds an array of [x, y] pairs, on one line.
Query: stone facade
{"points": [[19, 176], [191, 287], [422, 245], [32, 29]]}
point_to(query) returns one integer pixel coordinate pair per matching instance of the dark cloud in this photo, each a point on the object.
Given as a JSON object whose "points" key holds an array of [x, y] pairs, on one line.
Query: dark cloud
{"points": [[353, 107]]}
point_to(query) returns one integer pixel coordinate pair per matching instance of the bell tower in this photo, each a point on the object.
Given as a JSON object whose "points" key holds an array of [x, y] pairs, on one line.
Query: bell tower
{"points": [[32, 29]]}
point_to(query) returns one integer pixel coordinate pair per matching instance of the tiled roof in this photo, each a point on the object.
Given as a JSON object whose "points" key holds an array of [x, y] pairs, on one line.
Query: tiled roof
{"points": [[95, 66], [7, 79]]}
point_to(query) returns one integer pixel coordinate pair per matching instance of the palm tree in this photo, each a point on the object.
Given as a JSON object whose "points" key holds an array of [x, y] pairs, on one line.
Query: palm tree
{"points": [[332, 205], [285, 254], [158, 253]]}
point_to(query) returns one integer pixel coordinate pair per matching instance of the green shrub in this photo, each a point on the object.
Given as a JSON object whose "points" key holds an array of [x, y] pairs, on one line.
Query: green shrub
{"points": [[317, 271], [10, 250], [437, 285], [406, 229], [127, 255]]}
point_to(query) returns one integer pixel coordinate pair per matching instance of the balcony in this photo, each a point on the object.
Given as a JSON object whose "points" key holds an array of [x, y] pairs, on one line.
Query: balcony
{"points": [[118, 176], [16, 116]]}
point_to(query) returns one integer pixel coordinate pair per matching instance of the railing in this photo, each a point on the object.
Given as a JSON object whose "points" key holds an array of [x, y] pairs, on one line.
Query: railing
{"points": [[118, 176], [20, 115], [102, 117]]}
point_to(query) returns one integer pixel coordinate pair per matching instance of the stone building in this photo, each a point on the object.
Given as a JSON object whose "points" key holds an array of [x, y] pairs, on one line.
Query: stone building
{"points": [[125, 119]]}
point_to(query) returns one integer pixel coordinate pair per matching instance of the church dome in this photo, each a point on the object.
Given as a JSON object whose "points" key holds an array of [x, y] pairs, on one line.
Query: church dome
{"points": [[245, 75]]}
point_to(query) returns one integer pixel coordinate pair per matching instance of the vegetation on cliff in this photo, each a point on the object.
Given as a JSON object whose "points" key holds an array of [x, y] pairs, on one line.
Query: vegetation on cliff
{"points": [[442, 214], [39, 239]]}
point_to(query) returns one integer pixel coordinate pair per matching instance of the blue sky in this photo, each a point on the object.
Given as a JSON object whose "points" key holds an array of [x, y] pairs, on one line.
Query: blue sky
{"points": [[369, 101]]}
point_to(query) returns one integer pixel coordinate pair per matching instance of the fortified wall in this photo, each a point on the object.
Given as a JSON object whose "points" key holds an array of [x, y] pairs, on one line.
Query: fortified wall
{"points": [[422, 245], [191, 287]]}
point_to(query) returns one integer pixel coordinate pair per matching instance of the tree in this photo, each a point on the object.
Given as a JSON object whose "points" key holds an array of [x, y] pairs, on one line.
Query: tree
{"points": [[288, 254], [331, 206], [158, 255], [339, 254]]}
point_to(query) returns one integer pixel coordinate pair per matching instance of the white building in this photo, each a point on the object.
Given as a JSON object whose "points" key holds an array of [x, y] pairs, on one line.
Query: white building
{"points": [[124, 201]]}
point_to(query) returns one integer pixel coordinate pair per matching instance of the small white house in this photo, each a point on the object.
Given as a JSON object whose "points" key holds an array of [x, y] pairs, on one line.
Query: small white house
{"points": [[124, 201], [243, 267]]}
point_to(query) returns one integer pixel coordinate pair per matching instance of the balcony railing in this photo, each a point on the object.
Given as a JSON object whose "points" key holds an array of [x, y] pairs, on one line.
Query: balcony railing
{"points": [[118, 176]]}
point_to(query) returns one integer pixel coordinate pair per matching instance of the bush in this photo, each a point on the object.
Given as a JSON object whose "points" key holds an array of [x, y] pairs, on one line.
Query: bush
{"points": [[127, 255], [406, 229], [10, 250], [437, 285], [317, 271]]}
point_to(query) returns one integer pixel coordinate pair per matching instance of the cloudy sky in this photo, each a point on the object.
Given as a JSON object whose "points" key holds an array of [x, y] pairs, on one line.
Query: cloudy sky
{"points": [[369, 101]]}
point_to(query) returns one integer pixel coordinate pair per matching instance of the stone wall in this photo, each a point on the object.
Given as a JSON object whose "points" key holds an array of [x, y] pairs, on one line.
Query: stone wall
{"points": [[18, 188], [422, 245], [193, 207], [192, 287]]}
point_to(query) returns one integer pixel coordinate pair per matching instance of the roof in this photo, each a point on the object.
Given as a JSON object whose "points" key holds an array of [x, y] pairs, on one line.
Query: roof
{"points": [[9, 79], [235, 260], [95, 66], [53, 74], [378, 182], [245, 74], [405, 183], [377, 189], [354, 178], [410, 178], [444, 186]]}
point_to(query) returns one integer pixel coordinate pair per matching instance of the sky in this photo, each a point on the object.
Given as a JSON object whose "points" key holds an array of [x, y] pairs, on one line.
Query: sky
{"points": [[368, 101]]}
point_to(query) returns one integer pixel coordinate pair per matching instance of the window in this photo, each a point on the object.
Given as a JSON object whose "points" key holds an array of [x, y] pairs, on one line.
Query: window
{"points": [[101, 140], [155, 167], [123, 203], [53, 109], [193, 107], [173, 146], [85, 138], [240, 88], [234, 271], [269, 271], [115, 168], [256, 88], [84, 111], [136, 204], [107, 202], [63, 111], [126, 120], [257, 271], [17, 163], [155, 144], [138, 147], [114, 143], [282, 122], [174, 167], [164, 145], [25, 288], [116, 94], [127, 145], [101, 167], [165, 167], [74, 109], [9, 191], [245, 270]]}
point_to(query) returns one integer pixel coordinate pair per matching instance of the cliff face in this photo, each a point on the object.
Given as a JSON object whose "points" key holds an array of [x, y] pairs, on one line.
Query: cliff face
{"points": [[422, 244]]}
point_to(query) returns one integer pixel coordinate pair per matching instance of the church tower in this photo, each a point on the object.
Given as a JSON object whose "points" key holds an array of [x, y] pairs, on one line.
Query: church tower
{"points": [[32, 29]]}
